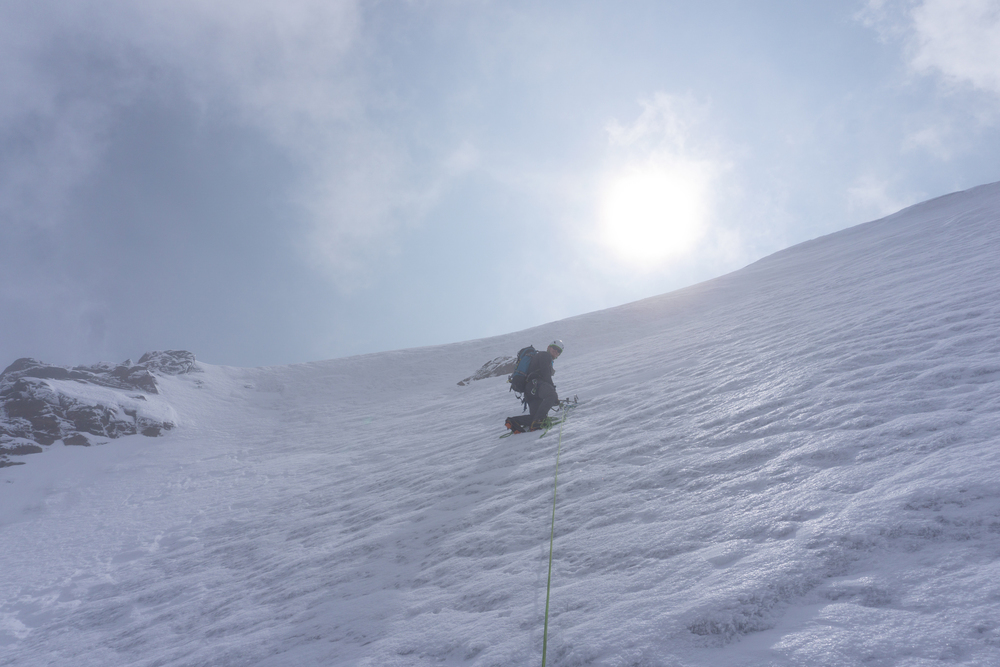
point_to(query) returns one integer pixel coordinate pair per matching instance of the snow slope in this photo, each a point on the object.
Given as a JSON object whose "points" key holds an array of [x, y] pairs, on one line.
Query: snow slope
{"points": [[794, 464]]}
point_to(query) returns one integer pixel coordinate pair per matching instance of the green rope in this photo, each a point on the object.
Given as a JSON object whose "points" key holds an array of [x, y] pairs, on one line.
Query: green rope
{"points": [[552, 537]]}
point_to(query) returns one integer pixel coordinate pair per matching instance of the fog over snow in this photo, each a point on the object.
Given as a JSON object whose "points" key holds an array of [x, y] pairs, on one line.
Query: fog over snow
{"points": [[794, 464]]}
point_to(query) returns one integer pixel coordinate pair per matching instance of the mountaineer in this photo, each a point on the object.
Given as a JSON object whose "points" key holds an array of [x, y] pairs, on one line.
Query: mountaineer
{"points": [[539, 391]]}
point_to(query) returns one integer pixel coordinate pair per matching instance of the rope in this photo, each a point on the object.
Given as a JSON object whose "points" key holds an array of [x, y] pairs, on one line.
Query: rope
{"points": [[552, 537]]}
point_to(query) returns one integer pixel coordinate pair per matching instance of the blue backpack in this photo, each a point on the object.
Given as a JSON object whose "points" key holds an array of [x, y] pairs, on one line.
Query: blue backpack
{"points": [[519, 377]]}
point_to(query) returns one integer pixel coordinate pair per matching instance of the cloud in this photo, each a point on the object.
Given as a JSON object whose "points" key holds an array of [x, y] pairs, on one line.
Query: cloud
{"points": [[954, 44], [886, 17], [355, 204], [296, 72], [869, 198], [939, 140], [663, 126], [52, 115], [958, 40]]}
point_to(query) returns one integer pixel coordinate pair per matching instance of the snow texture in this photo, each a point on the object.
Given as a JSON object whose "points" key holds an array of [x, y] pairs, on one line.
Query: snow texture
{"points": [[794, 464]]}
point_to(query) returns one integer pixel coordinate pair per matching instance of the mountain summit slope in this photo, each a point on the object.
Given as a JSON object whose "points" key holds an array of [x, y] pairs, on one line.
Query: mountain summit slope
{"points": [[794, 464]]}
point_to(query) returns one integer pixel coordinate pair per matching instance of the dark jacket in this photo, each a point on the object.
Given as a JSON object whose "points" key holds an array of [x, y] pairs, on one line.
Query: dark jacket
{"points": [[540, 368]]}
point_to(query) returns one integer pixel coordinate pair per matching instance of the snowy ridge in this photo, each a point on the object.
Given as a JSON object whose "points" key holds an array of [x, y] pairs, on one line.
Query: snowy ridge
{"points": [[794, 464]]}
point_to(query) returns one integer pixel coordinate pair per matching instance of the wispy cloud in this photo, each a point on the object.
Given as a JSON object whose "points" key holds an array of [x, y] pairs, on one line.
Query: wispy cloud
{"points": [[870, 198], [664, 126], [954, 45], [958, 40], [938, 140]]}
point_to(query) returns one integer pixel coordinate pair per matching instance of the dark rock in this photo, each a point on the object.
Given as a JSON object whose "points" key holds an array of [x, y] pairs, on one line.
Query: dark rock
{"points": [[154, 430], [16, 447], [31, 410], [21, 364], [135, 376], [20, 449], [119, 376], [34, 411], [169, 362], [28, 367]]}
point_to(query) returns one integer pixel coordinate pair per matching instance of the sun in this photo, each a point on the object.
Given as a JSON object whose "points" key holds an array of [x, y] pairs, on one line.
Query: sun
{"points": [[653, 213]]}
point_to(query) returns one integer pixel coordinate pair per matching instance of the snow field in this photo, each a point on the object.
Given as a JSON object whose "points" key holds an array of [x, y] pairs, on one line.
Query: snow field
{"points": [[794, 464]]}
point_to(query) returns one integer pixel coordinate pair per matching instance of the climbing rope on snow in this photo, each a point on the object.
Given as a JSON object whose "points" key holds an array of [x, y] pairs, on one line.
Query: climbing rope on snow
{"points": [[552, 537]]}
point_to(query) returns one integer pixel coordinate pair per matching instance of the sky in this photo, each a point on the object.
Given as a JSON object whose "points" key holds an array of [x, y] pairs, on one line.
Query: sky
{"points": [[273, 183]]}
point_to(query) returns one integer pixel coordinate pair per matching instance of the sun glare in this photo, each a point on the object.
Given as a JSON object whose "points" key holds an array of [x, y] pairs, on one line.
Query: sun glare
{"points": [[653, 213]]}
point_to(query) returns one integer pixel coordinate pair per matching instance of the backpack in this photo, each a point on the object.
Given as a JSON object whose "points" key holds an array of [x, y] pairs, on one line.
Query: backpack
{"points": [[519, 377]]}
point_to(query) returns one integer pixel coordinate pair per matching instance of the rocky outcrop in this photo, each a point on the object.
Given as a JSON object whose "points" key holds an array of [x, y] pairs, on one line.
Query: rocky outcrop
{"points": [[170, 362], [41, 404], [491, 369], [121, 376]]}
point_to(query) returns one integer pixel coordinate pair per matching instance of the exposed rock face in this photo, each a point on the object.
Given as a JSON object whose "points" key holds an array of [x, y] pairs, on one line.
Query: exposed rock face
{"points": [[120, 376], [169, 362], [491, 369], [40, 404]]}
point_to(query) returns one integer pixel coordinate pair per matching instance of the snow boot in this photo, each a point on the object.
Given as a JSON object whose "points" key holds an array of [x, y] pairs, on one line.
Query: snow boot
{"points": [[514, 425]]}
